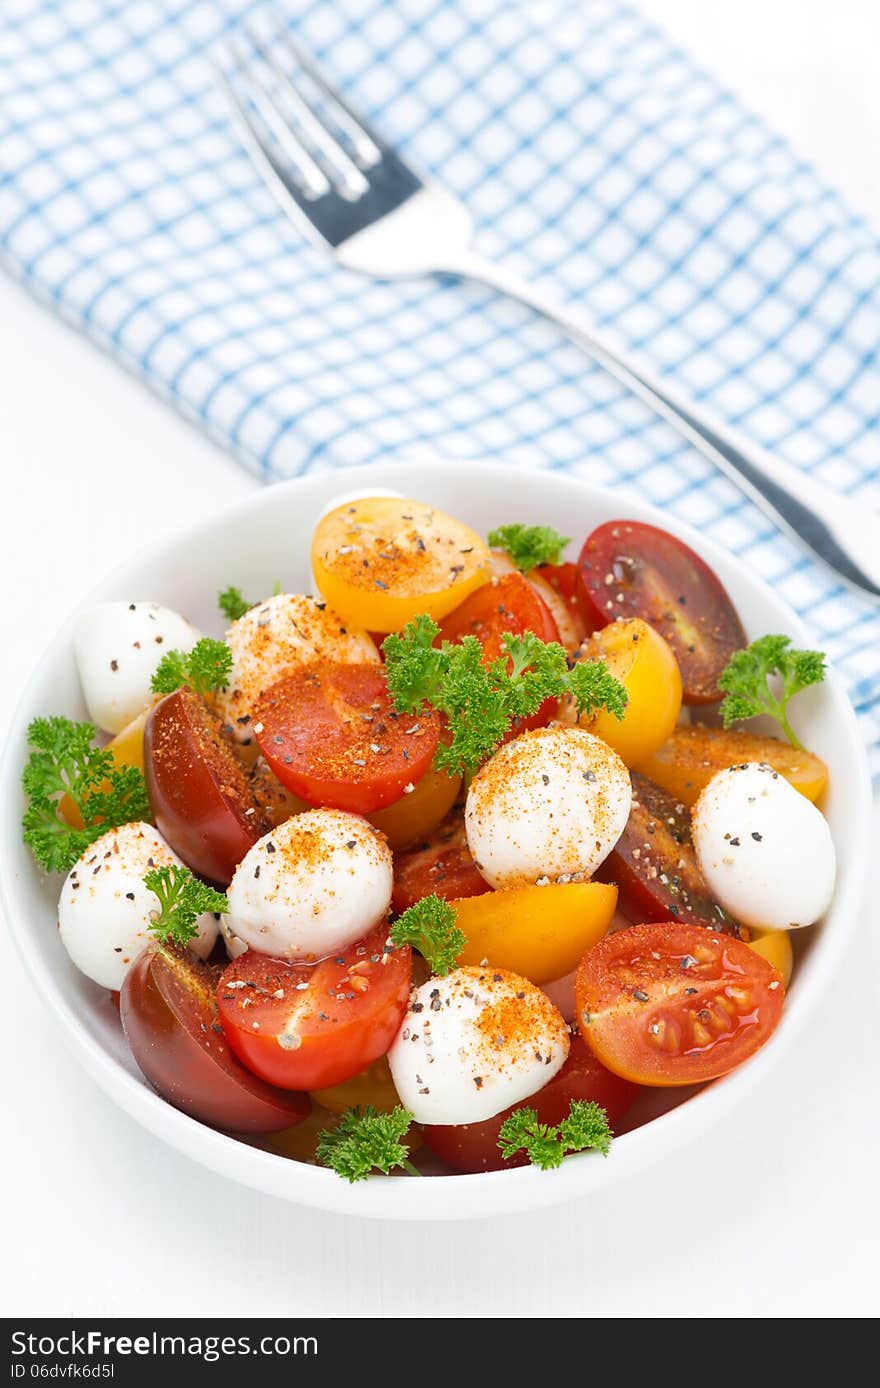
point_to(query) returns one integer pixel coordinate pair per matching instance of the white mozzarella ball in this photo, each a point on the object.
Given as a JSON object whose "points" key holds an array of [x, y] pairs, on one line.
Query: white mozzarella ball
{"points": [[105, 910], [315, 884], [473, 1043], [549, 805], [117, 647], [277, 636], [765, 851]]}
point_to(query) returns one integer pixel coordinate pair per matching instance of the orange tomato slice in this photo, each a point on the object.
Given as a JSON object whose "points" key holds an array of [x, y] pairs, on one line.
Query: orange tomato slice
{"points": [[690, 757], [775, 947], [538, 932], [128, 750]]}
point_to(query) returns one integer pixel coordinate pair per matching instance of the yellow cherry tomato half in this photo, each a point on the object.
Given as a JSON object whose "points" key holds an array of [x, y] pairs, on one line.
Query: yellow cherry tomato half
{"points": [[690, 757], [128, 750], [382, 561], [775, 947], [541, 933], [372, 1086], [415, 816], [639, 657]]}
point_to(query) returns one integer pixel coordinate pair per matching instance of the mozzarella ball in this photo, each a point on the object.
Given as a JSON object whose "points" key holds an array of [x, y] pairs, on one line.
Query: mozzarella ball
{"points": [[315, 884], [549, 806], [117, 646], [279, 635], [474, 1043], [765, 851], [105, 910]]}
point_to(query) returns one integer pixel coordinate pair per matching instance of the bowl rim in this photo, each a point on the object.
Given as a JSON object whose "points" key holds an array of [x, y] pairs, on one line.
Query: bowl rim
{"points": [[460, 1196]]}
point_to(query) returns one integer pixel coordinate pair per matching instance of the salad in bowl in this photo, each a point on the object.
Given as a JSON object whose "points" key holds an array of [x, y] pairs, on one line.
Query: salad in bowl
{"points": [[475, 854]]}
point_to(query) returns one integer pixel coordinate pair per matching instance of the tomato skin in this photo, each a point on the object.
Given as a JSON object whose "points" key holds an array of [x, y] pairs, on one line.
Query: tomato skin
{"points": [[442, 866], [319, 728], [473, 1147], [202, 801], [169, 1017], [656, 845], [345, 1018], [659, 578], [565, 580], [414, 816], [373, 1086], [505, 605], [668, 1004], [689, 758], [538, 932]]}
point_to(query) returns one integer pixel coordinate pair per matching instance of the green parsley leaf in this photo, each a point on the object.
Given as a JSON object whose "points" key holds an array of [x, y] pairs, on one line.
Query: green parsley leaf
{"points": [[746, 681], [529, 545], [65, 761], [364, 1141], [207, 666], [430, 926], [233, 604], [586, 1125], [481, 701], [182, 899]]}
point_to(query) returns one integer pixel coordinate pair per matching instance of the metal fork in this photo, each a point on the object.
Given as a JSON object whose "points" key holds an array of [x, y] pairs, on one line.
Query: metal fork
{"points": [[352, 193]]}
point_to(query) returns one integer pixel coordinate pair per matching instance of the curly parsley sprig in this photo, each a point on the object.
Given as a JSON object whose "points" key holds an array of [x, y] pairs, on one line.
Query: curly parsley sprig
{"points": [[481, 701], [64, 761], [545, 1144], [529, 545], [233, 604], [430, 927], [207, 666], [364, 1141], [746, 681], [182, 899]]}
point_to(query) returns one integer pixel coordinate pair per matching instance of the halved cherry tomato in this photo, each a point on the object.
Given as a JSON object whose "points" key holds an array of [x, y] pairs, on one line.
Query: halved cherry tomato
{"points": [[655, 866], [538, 932], [201, 797], [440, 866], [382, 561], [473, 1147], [638, 656], [633, 570], [317, 1035], [301, 1143], [506, 605], [373, 1086], [690, 757], [410, 819], [169, 1016], [775, 947], [562, 580], [668, 1004], [331, 734]]}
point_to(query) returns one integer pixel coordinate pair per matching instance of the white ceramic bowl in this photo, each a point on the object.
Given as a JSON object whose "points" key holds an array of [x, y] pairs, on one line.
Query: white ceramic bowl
{"points": [[266, 538]]}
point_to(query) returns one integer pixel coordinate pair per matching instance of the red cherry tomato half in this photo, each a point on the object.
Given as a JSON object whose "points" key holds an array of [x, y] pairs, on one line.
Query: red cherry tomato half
{"points": [[331, 735], [668, 1004], [441, 866], [655, 867], [474, 1146], [633, 570], [201, 798], [310, 1026], [508, 605], [169, 1016]]}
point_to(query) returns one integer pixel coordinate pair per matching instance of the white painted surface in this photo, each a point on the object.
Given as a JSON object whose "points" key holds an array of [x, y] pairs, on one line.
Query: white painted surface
{"points": [[143, 1231]]}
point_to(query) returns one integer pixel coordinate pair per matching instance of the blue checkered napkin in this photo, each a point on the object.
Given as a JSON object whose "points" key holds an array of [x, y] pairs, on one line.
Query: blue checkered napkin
{"points": [[593, 155]]}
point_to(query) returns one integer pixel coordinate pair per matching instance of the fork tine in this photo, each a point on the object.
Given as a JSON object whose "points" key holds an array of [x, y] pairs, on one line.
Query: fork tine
{"points": [[368, 146], [343, 173]]}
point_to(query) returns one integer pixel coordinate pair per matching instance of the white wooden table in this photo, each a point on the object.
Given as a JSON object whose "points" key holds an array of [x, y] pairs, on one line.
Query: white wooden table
{"points": [[775, 1213]]}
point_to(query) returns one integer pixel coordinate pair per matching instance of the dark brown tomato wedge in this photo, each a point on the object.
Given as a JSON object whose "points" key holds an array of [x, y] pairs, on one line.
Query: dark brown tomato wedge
{"points": [[169, 1014], [473, 1147], [331, 735], [201, 798], [628, 569], [439, 866], [655, 867]]}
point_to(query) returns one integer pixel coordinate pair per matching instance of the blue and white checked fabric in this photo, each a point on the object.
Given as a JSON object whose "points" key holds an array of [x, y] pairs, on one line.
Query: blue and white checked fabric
{"points": [[594, 156]]}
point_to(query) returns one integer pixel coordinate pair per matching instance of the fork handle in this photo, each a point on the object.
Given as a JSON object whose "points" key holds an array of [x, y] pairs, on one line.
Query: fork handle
{"points": [[842, 533]]}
